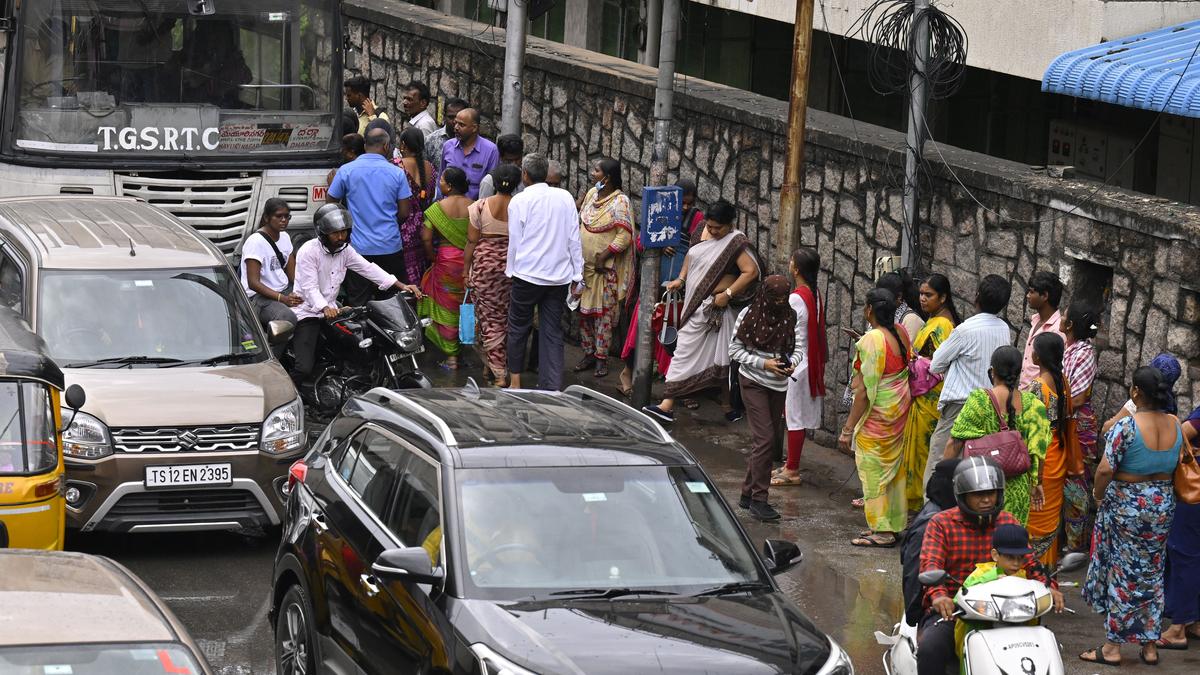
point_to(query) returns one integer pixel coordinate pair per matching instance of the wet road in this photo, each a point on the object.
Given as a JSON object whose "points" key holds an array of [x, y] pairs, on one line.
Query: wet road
{"points": [[218, 583]]}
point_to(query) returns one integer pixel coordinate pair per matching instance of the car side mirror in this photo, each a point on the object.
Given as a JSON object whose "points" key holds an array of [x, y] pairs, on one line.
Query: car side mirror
{"points": [[782, 555], [75, 397], [280, 331], [1072, 561], [933, 577], [407, 564]]}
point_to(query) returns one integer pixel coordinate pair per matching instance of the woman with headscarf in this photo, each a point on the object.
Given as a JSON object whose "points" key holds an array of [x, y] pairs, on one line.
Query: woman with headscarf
{"points": [[875, 427], [806, 389], [767, 343], [607, 229]]}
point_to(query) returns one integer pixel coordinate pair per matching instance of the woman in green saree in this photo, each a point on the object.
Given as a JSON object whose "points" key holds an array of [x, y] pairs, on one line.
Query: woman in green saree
{"points": [[445, 238]]}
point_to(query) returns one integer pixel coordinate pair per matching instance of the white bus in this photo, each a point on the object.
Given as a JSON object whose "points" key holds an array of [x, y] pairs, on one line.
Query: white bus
{"points": [[204, 108]]}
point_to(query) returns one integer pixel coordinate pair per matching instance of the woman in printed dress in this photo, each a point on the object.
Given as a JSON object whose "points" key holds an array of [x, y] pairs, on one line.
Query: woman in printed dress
{"points": [[1136, 499], [485, 260], [420, 177], [1079, 326]]}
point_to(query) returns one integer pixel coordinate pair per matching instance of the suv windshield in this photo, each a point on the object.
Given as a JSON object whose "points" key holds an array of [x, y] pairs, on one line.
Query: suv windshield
{"points": [[540, 532], [146, 317], [133, 76], [27, 440]]}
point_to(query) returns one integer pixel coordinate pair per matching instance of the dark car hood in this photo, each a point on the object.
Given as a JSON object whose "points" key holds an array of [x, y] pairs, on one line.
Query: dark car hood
{"points": [[761, 633]]}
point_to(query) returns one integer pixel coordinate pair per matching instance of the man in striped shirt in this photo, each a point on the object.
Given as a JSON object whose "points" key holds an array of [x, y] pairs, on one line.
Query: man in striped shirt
{"points": [[965, 356]]}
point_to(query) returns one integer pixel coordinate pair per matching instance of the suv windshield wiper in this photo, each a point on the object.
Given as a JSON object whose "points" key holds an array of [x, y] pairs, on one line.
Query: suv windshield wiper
{"points": [[123, 361], [609, 593], [736, 587]]}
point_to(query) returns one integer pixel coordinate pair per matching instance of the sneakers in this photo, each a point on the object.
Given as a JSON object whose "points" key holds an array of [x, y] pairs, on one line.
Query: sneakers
{"points": [[744, 502], [734, 415], [664, 415], [763, 511]]}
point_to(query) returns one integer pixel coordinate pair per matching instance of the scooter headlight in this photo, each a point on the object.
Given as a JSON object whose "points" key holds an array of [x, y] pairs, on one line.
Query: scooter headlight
{"points": [[984, 608], [1017, 609]]}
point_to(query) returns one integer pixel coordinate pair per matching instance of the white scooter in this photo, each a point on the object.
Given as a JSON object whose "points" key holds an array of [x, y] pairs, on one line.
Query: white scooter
{"points": [[1006, 645]]}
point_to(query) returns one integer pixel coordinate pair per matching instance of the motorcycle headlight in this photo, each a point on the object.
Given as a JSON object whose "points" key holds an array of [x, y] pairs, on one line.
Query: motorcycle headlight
{"points": [[984, 608], [86, 438], [283, 430], [838, 662], [407, 339], [491, 663], [1017, 609]]}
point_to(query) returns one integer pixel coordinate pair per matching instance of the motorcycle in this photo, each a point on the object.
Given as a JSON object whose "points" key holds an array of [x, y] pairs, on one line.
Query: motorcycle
{"points": [[1006, 644], [375, 345]]}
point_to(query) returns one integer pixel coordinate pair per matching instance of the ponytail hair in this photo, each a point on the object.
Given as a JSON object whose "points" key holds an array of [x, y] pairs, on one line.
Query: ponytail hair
{"points": [[883, 305], [1006, 367], [414, 140], [1084, 318], [807, 262], [1154, 386], [1049, 349]]}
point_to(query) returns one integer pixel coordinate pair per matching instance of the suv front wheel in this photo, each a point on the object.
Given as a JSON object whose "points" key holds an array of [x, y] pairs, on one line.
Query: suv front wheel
{"points": [[295, 643]]}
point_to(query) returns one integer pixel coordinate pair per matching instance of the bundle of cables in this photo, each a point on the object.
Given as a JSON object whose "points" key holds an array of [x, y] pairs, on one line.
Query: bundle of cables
{"points": [[887, 26]]}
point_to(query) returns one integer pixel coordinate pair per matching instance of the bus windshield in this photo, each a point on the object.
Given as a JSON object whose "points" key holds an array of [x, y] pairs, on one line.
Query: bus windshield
{"points": [[159, 78]]}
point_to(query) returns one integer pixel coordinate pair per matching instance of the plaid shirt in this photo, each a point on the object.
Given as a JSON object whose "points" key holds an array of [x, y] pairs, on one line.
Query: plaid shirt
{"points": [[956, 546], [1079, 365]]}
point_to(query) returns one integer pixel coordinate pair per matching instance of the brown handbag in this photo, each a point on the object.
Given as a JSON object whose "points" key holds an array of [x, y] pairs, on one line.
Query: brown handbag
{"points": [[1187, 475]]}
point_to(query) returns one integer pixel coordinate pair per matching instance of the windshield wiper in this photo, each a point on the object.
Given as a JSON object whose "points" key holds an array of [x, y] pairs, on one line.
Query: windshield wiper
{"points": [[123, 361], [212, 361], [736, 587], [609, 593]]}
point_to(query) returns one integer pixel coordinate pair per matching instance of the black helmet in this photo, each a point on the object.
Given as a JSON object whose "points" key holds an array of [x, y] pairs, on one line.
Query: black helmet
{"points": [[979, 474], [329, 219]]}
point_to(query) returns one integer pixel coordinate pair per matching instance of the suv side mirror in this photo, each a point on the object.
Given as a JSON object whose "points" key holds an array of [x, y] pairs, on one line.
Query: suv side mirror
{"points": [[280, 331], [782, 555], [75, 397], [407, 564]]}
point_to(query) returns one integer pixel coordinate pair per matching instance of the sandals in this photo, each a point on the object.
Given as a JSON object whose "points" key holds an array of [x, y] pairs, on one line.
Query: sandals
{"points": [[691, 404], [584, 363], [1142, 654], [783, 479], [1098, 658], [859, 503], [626, 390], [1163, 643], [601, 368], [873, 541]]}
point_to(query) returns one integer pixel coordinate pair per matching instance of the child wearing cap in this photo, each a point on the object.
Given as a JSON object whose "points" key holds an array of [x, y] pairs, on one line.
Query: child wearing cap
{"points": [[1010, 551]]}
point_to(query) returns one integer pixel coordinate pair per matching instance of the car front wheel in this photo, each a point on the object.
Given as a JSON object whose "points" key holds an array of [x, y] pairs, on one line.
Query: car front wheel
{"points": [[295, 643]]}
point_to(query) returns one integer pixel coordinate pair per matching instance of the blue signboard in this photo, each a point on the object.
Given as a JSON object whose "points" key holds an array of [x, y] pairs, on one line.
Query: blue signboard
{"points": [[662, 216]]}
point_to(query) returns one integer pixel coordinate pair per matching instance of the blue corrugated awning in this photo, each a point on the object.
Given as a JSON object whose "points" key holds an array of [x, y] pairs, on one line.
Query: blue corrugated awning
{"points": [[1140, 71]]}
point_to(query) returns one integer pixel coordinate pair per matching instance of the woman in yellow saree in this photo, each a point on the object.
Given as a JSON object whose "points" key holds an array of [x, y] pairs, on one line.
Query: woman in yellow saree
{"points": [[875, 427]]}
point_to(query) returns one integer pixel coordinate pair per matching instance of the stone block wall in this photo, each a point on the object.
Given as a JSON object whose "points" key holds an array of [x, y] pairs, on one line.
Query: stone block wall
{"points": [[980, 215]]}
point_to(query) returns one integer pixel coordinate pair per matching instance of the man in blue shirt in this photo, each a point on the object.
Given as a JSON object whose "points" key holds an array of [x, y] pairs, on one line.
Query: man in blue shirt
{"points": [[469, 151], [377, 193]]}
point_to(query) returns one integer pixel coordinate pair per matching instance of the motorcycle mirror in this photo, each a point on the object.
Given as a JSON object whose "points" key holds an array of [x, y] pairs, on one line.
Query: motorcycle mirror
{"points": [[933, 577], [1072, 562]]}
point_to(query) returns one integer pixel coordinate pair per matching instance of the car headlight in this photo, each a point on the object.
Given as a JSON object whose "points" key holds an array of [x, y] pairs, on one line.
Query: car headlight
{"points": [[491, 663], [86, 438], [984, 608], [838, 662], [1017, 609], [283, 430]]}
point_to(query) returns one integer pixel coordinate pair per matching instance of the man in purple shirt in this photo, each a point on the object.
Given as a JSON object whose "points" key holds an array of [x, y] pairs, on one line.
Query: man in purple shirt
{"points": [[469, 151]]}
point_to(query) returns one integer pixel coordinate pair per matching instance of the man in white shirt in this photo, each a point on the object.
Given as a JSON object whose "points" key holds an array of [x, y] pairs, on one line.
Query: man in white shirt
{"points": [[965, 357], [321, 266], [545, 262], [415, 103]]}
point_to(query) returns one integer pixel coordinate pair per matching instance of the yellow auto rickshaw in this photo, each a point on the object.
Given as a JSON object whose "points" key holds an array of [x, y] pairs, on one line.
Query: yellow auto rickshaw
{"points": [[31, 458]]}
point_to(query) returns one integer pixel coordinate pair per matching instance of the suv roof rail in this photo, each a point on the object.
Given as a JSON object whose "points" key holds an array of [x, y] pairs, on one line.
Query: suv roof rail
{"points": [[619, 408], [443, 429]]}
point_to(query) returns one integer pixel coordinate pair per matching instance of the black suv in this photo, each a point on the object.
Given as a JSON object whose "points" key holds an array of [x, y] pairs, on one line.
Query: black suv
{"points": [[519, 532]]}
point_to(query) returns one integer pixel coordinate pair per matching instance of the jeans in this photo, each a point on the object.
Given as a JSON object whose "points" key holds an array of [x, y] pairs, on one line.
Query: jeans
{"points": [[935, 646], [941, 436], [551, 302]]}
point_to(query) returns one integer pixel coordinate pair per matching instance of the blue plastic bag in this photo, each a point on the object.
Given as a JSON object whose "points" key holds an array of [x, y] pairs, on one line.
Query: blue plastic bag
{"points": [[466, 321]]}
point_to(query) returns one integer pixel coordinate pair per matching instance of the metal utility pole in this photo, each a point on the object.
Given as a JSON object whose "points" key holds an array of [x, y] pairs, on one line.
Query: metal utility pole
{"points": [[918, 90], [654, 11], [664, 97], [515, 28], [787, 234]]}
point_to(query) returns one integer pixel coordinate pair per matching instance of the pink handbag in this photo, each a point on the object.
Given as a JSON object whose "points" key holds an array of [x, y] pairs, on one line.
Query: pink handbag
{"points": [[920, 380], [1005, 447]]}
